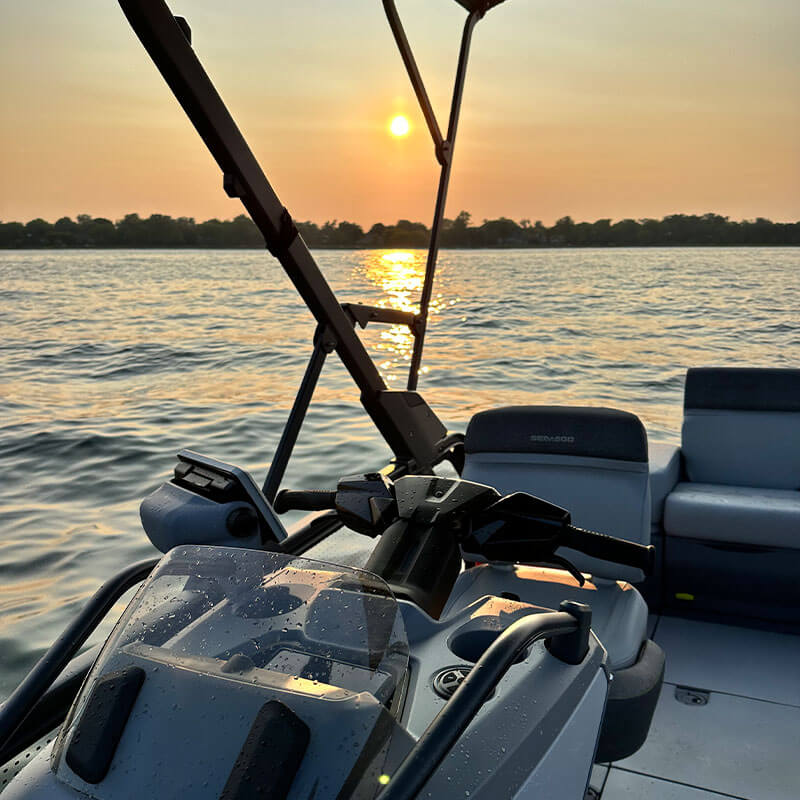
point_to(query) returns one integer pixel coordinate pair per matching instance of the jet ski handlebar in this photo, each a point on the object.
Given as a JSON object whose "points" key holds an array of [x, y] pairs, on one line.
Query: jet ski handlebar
{"points": [[304, 500], [609, 548], [516, 528]]}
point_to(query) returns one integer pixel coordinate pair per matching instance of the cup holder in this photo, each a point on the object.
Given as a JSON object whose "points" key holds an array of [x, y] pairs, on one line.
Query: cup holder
{"points": [[472, 640]]}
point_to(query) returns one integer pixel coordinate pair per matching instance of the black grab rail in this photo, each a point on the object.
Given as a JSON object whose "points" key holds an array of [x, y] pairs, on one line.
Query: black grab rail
{"points": [[24, 698], [568, 627]]}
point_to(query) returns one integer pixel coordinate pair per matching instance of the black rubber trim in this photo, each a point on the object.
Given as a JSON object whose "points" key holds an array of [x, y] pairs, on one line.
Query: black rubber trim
{"points": [[270, 756], [304, 500], [632, 699], [561, 430], [97, 734], [610, 548], [742, 389]]}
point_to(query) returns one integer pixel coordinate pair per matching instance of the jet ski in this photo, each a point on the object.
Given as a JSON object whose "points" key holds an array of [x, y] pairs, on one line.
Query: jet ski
{"points": [[492, 644], [243, 670]]}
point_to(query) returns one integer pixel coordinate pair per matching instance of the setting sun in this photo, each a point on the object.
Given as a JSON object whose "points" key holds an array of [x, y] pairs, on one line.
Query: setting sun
{"points": [[399, 126]]}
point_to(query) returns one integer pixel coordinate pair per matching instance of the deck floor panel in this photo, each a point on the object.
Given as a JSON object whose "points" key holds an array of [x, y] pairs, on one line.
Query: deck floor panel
{"points": [[622, 785], [733, 745], [724, 658], [598, 778]]}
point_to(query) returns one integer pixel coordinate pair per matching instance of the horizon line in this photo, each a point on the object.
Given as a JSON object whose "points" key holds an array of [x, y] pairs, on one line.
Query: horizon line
{"points": [[336, 221]]}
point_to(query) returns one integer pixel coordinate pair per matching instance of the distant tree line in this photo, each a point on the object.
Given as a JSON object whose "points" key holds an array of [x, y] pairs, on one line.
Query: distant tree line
{"points": [[159, 230]]}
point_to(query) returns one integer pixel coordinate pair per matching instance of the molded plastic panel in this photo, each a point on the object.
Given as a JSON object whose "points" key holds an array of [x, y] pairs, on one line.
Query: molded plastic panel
{"points": [[731, 579], [619, 613], [513, 733]]}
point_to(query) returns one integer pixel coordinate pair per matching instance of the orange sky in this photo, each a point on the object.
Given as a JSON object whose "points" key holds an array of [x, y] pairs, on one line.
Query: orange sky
{"points": [[608, 109]]}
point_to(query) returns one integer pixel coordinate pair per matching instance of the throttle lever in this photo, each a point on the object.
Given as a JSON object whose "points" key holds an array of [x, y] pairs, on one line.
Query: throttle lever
{"points": [[522, 528], [365, 503]]}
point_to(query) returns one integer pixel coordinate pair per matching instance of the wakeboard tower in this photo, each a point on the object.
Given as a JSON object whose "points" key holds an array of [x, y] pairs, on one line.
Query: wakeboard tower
{"points": [[242, 669]]}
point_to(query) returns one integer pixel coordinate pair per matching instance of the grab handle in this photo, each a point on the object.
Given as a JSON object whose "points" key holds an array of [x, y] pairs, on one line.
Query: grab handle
{"points": [[304, 500], [609, 548]]}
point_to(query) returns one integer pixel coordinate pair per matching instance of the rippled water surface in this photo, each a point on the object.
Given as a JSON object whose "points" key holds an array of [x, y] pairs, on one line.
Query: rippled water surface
{"points": [[110, 362]]}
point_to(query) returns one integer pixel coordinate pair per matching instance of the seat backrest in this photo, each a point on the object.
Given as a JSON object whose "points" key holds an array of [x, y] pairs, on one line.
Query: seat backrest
{"points": [[741, 427], [591, 461]]}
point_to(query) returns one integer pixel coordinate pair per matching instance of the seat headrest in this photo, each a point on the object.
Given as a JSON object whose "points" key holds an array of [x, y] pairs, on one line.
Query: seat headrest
{"points": [[558, 430], [742, 389]]}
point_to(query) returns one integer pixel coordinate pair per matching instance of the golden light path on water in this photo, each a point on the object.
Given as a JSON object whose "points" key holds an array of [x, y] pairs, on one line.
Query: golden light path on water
{"points": [[399, 275]]}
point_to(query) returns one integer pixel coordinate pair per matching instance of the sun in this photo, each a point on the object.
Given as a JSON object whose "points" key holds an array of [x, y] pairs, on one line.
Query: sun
{"points": [[399, 126]]}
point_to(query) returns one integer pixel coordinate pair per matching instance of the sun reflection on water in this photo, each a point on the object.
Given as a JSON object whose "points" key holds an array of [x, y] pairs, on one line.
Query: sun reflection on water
{"points": [[399, 275]]}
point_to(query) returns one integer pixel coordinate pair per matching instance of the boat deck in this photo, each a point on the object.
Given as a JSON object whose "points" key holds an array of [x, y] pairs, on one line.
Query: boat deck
{"points": [[734, 734]]}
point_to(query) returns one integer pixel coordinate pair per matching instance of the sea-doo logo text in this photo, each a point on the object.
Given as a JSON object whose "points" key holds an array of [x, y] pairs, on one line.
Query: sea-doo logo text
{"points": [[546, 439]]}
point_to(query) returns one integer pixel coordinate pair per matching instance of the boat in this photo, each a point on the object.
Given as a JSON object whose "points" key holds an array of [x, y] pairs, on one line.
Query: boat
{"points": [[570, 612]]}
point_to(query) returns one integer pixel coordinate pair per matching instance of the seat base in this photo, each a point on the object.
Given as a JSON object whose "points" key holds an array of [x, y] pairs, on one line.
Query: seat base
{"points": [[713, 577]]}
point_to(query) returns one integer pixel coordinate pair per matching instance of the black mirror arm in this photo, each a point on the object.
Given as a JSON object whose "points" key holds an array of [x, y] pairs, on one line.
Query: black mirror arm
{"points": [[413, 73], [444, 155]]}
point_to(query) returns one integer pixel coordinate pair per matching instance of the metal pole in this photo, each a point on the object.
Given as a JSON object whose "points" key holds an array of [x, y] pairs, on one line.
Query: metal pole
{"points": [[322, 346], [408, 425], [413, 73], [444, 154]]}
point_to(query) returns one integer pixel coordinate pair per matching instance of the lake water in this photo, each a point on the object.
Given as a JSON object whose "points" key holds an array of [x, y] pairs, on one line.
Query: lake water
{"points": [[112, 361]]}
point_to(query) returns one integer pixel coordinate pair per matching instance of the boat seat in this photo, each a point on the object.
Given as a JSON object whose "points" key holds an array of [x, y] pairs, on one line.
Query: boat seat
{"points": [[736, 508], [741, 427], [739, 514], [593, 462]]}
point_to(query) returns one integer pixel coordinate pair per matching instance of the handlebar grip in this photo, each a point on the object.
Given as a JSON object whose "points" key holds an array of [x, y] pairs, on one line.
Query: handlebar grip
{"points": [[304, 500], [609, 548]]}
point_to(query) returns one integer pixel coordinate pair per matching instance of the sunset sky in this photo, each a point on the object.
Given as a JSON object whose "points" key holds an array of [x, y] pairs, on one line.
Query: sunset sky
{"points": [[615, 108]]}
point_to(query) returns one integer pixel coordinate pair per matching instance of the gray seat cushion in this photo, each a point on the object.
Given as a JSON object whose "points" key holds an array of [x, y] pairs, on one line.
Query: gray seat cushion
{"points": [[742, 448], [737, 514], [741, 427], [619, 612]]}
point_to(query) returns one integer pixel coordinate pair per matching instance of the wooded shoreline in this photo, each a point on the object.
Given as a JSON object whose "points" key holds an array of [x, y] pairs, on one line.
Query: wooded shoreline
{"points": [[161, 231]]}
